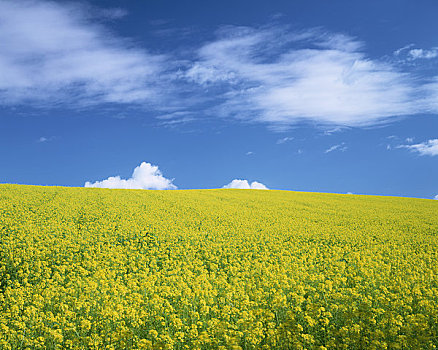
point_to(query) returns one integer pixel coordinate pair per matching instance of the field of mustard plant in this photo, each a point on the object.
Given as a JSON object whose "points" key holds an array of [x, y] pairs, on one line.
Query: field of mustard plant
{"points": [[216, 269]]}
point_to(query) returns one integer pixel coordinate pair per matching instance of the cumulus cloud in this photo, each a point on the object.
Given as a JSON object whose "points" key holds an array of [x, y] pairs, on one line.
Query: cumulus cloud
{"points": [[275, 76], [427, 148], [341, 147], [436, 197], [56, 52], [146, 176], [245, 185]]}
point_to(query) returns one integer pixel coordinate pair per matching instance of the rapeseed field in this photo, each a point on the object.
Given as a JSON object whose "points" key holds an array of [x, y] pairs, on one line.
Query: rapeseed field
{"points": [[216, 269]]}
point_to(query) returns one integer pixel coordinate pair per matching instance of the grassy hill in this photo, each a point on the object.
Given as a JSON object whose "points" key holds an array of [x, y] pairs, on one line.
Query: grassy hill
{"points": [[84, 268]]}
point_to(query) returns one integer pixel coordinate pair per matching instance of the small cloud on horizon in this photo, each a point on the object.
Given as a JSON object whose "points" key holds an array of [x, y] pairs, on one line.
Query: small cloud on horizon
{"points": [[146, 176], [245, 185]]}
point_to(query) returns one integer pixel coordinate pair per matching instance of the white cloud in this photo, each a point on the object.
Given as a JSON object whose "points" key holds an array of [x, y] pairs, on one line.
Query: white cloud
{"points": [[145, 176], [44, 139], [436, 197], [408, 53], [245, 185], [204, 75], [428, 148], [113, 13], [339, 147], [258, 186], [402, 49], [431, 95], [175, 119], [54, 52], [282, 78], [423, 53], [409, 139], [284, 140], [334, 130], [249, 153]]}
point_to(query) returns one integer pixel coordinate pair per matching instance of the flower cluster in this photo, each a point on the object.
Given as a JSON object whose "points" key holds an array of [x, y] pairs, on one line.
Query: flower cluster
{"points": [[215, 269]]}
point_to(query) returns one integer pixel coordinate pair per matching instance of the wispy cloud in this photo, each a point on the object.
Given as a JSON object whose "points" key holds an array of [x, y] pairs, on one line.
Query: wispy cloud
{"points": [[409, 53], [279, 77], [113, 13], [341, 147], [43, 139], [245, 185], [56, 53], [61, 53], [334, 130], [284, 140], [403, 49], [145, 176], [175, 119], [427, 148], [423, 53], [204, 75]]}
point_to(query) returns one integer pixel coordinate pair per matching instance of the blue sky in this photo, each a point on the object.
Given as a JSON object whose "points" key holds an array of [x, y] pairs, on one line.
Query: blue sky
{"points": [[338, 96]]}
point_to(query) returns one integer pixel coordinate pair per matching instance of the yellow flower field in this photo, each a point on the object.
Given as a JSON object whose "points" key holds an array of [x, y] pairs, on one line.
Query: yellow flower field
{"points": [[90, 268]]}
